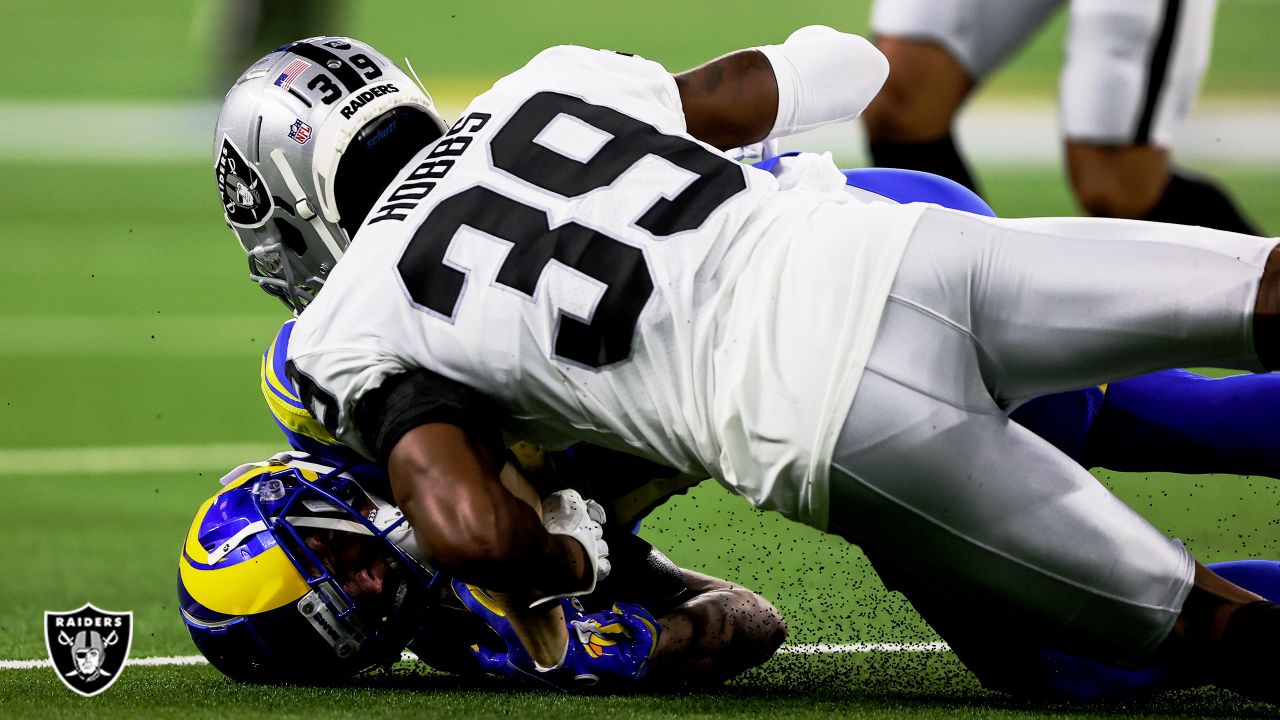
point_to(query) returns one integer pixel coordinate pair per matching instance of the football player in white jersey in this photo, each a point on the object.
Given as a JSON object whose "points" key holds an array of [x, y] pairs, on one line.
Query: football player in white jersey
{"points": [[628, 487], [1130, 77], [573, 260]]}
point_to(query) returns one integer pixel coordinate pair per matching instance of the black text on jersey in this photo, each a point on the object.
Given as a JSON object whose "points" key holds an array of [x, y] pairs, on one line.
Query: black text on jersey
{"points": [[607, 337], [430, 171]]}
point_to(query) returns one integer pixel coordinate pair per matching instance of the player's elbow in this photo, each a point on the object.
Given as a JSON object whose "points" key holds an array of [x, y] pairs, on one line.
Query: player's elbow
{"points": [[742, 625], [759, 628]]}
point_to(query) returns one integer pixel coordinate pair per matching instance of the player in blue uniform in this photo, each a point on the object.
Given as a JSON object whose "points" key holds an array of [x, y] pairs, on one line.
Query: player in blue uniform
{"points": [[297, 571]]}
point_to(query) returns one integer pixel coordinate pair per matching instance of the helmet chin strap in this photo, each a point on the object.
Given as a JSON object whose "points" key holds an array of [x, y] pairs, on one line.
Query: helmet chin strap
{"points": [[303, 206]]}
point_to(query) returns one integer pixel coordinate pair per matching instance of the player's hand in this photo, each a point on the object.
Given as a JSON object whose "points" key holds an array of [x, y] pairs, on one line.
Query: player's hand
{"points": [[492, 661], [567, 513]]}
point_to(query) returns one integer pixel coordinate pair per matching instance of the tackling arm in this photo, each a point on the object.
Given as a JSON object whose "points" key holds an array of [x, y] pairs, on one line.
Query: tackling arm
{"points": [[818, 76], [471, 525]]}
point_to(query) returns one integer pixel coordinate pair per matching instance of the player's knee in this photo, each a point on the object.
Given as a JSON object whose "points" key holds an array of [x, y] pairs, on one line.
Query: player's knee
{"points": [[1101, 199], [889, 117], [925, 88], [1117, 182], [1108, 200]]}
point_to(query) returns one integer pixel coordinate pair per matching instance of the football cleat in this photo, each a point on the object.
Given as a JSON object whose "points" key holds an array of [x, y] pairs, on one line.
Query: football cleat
{"points": [[309, 118], [259, 597]]}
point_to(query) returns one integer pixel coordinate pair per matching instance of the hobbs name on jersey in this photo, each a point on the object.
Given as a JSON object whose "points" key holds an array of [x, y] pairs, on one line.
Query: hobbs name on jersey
{"points": [[422, 180]]}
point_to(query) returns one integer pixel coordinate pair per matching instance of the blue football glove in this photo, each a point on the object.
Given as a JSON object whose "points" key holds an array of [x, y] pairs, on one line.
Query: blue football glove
{"points": [[614, 644], [492, 661]]}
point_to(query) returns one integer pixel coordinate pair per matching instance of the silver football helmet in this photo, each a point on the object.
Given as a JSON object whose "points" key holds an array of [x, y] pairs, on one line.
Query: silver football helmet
{"points": [[308, 138]]}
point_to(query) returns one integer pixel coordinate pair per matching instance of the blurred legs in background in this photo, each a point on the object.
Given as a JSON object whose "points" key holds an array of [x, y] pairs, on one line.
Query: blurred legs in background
{"points": [[1131, 74], [248, 29]]}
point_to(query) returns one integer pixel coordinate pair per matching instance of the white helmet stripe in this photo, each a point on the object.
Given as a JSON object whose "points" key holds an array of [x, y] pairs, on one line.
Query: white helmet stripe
{"points": [[295, 187], [234, 541]]}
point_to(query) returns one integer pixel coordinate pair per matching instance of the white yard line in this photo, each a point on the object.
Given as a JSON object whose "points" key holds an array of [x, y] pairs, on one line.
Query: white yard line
{"points": [[851, 648], [143, 458], [996, 131], [813, 649], [154, 661]]}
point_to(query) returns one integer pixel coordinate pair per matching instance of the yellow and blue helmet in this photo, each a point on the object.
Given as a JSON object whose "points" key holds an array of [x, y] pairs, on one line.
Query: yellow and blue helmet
{"points": [[301, 429], [260, 602]]}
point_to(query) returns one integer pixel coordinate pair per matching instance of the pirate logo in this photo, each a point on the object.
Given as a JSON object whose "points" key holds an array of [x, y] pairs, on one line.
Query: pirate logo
{"points": [[244, 193], [88, 646]]}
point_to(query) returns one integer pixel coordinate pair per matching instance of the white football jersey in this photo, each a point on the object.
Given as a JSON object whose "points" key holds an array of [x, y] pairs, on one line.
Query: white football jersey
{"points": [[569, 251]]}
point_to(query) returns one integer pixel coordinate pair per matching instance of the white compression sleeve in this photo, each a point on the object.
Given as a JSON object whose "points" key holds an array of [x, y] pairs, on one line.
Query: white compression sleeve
{"points": [[824, 76]]}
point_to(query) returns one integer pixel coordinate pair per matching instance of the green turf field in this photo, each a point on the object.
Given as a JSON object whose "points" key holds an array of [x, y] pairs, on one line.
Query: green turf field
{"points": [[126, 323], [127, 330], [75, 49]]}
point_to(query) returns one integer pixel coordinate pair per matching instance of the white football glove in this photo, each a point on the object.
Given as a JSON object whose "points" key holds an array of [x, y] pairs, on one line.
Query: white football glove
{"points": [[567, 513]]}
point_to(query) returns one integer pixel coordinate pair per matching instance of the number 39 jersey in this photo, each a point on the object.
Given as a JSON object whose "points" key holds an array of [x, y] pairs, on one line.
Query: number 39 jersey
{"points": [[569, 251]]}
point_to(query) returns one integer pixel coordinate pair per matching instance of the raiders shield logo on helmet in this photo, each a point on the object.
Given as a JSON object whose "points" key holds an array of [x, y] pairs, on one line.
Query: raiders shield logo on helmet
{"points": [[245, 198], [88, 646]]}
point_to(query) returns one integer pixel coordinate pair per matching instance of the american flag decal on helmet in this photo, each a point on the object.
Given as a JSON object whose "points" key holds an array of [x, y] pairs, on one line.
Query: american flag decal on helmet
{"points": [[291, 73]]}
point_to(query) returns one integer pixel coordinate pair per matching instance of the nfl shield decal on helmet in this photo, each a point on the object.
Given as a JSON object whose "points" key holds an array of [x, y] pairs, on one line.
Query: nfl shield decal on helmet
{"points": [[88, 646], [300, 132], [245, 198]]}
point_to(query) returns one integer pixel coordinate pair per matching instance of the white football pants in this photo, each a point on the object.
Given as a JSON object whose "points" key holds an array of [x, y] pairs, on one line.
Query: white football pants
{"points": [[931, 475]]}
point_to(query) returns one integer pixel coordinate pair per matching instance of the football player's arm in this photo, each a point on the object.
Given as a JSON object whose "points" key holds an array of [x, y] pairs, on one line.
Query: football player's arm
{"points": [[440, 444], [720, 630], [470, 524], [818, 76], [480, 523]]}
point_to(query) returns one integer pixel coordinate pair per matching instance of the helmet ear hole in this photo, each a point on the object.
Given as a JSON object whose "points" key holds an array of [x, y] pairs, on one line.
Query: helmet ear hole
{"points": [[291, 237], [375, 156]]}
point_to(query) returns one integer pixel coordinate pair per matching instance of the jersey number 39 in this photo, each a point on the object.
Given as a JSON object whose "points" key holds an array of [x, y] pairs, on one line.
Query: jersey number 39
{"points": [[621, 268]]}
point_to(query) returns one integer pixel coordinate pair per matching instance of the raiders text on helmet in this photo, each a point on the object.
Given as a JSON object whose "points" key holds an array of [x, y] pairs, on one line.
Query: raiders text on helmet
{"points": [[307, 118]]}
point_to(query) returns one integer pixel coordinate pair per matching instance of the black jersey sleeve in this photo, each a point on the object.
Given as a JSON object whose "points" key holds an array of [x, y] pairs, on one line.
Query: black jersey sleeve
{"points": [[418, 397]]}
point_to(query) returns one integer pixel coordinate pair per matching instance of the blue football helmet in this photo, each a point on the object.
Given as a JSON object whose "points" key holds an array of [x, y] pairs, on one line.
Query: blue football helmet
{"points": [[259, 599]]}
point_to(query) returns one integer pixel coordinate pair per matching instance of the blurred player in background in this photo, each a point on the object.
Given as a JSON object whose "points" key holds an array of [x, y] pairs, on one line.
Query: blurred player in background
{"points": [[245, 30], [1131, 74]]}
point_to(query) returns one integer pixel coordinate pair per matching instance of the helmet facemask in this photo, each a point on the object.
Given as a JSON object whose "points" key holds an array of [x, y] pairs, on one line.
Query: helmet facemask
{"points": [[327, 629]]}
